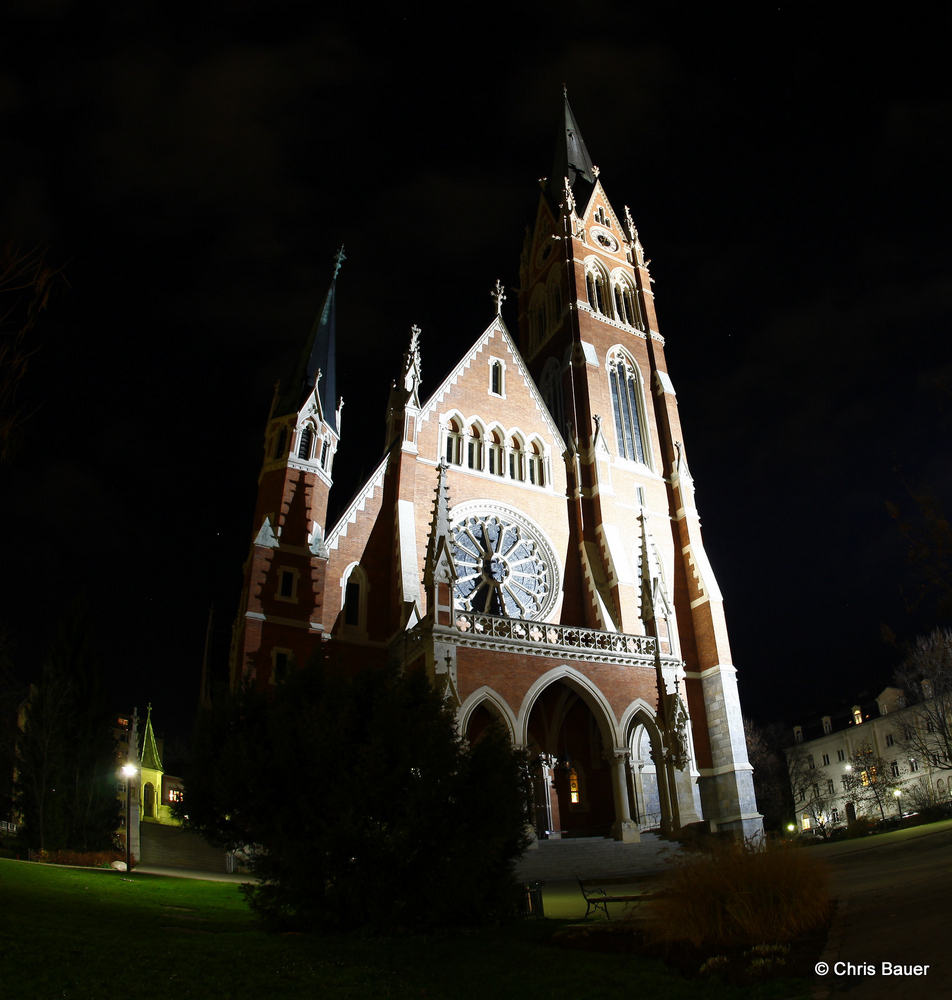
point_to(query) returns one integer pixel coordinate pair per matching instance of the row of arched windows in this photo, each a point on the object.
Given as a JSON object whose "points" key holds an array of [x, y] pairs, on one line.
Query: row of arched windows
{"points": [[612, 295], [494, 450]]}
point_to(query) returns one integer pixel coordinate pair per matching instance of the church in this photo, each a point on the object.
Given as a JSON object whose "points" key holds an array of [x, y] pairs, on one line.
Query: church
{"points": [[529, 538]]}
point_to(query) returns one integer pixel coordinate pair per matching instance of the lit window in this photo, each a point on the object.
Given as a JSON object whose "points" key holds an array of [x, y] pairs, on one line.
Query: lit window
{"points": [[573, 787], [913, 765], [516, 460], [830, 787]]}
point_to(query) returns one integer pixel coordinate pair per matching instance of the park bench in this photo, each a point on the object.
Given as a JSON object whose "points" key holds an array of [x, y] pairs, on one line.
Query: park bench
{"points": [[598, 892]]}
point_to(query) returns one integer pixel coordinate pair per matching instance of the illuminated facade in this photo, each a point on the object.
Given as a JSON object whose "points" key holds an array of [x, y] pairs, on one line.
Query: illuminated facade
{"points": [[529, 537]]}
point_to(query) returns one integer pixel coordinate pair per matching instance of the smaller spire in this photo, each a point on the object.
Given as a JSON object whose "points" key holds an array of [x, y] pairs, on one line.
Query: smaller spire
{"points": [[439, 557], [339, 259]]}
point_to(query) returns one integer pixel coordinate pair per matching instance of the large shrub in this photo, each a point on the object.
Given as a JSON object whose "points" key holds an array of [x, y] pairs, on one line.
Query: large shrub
{"points": [[738, 893], [359, 804]]}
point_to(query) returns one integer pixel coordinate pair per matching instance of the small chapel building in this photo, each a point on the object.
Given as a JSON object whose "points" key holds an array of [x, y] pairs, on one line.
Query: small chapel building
{"points": [[529, 538]]}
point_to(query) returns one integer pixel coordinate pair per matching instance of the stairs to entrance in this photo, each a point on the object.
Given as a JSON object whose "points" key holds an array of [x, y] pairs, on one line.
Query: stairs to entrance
{"points": [[173, 847], [591, 856]]}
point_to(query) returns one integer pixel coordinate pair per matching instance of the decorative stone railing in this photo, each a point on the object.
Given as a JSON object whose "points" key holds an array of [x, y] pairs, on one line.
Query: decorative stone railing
{"points": [[552, 640]]}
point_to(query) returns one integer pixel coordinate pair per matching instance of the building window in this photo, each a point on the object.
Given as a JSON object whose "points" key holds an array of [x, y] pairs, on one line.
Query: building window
{"points": [[826, 759], [827, 725], [516, 460], [811, 763], [857, 716], [894, 767], [354, 590], [496, 384], [889, 739], [494, 454], [454, 437], [536, 465], [625, 382], [797, 734], [474, 449], [596, 282], [148, 799], [281, 660], [840, 755], [325, 453], [287, 585], [304, 448], [913, 765], [830, 786]]}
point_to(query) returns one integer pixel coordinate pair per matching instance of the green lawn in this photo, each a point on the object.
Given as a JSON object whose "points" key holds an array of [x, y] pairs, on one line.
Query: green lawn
{"points": [[91, 935]]}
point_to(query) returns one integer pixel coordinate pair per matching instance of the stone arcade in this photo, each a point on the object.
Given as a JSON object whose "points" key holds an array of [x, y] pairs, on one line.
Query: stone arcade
{"points": [[530, 537]]}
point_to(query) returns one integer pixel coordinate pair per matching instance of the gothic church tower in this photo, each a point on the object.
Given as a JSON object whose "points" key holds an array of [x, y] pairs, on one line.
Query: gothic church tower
{"points": [[281, 614]]}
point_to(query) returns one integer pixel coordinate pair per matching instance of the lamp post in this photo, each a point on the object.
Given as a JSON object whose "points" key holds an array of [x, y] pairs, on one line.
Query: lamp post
{"points": [[898, 793], [128, 770]]}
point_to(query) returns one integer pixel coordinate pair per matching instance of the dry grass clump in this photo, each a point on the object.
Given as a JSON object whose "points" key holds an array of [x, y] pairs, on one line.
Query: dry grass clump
{"points": [[739, 893], [82, 859]]}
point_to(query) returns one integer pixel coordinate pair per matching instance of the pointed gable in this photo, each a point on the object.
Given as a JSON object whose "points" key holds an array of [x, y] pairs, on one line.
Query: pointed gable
{"points": [[468, 389]]}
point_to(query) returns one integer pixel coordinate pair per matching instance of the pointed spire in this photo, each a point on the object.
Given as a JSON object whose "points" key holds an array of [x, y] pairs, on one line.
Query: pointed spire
{"points": [[571, 159], [317, 365], [150, 749], [438, 546]]}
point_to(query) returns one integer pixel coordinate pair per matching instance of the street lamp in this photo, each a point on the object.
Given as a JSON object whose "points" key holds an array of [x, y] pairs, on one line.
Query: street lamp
{"points": [[898, 793], [129, 771]]}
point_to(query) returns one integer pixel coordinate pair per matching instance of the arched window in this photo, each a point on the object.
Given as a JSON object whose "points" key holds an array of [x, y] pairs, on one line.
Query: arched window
{"points": [[474, 449], [625, 297], [535, 463], [625, 382], [454, 437], [304, 448], [495, 378], [516, 459], [354, 592], [148, 799], [325, 453], [596, 281], [494, 460]]}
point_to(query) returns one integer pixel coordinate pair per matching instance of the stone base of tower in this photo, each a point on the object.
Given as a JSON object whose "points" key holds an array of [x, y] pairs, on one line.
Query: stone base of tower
{"points": [[729, 805]]}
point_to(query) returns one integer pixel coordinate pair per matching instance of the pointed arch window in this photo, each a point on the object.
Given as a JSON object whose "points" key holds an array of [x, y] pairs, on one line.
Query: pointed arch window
{"points": [[304, 447], [494, 454], [496, 384], [454, 437], [535, 464], [325, 453], [516, 460], [597, 284], [474, 449], [627, 407]]}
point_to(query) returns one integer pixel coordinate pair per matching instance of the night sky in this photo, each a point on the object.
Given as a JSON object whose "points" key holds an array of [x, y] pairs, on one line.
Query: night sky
{"points": [[192, 168]]}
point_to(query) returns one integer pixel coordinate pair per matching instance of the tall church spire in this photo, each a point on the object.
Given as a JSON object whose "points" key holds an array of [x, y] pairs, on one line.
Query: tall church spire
{"points": [[318, 360], [571, 160]]}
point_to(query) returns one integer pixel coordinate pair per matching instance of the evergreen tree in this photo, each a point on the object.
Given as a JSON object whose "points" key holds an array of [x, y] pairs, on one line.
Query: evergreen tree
{"points": [[359, 803]]}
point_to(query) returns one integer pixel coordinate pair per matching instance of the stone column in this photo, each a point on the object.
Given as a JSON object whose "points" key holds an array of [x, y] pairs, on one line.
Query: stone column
{"points": [[623, 828]]}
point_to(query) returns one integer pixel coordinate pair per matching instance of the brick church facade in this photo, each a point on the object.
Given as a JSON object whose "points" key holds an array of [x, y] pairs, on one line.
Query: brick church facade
{"points": [[530, 538]]}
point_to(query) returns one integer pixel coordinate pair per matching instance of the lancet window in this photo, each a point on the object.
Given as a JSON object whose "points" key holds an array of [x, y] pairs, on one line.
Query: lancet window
{"points": [[627, 307], [596, 282], [535, 464], [304, 445], [627, 406], [474, 449], [494, 460], [516, 459], [454, 439]]}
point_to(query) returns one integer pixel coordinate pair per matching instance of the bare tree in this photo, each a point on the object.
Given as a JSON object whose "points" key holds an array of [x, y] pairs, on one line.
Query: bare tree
{"points": [[869, 779], [771, 782], [924, 732], [811, 789]]}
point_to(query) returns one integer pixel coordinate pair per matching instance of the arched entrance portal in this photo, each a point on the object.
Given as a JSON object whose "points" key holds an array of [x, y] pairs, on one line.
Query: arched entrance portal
{"points": [[573, 777]]}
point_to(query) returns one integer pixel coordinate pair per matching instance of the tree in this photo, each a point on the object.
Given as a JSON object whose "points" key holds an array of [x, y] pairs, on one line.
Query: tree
{"points": [[925, 730], [811, 789], [66, 752], [358, 803], [771, 778], [868, 779]]}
